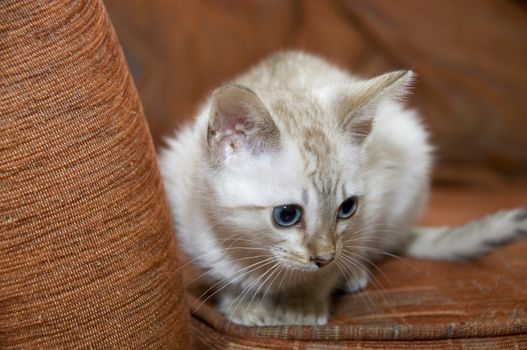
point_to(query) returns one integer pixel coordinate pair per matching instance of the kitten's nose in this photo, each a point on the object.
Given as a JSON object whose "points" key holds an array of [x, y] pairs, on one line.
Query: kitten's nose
{"points": [[323, 260]]}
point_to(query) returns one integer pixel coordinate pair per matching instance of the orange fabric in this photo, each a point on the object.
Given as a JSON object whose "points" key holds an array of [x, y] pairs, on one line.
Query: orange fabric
{"points": [[87, 253]]}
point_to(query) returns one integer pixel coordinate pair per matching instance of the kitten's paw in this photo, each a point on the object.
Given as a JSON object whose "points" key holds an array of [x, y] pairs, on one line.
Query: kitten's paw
{"points": [[302, 312], [244, 312], [269, 313], [251, 314], [357, 282]]}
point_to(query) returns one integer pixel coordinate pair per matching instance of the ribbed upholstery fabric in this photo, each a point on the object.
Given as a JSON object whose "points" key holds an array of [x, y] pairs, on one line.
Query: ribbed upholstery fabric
{"points": [[87, 253]]}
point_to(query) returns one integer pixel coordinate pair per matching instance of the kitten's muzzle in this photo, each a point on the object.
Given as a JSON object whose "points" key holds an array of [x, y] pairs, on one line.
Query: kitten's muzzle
{"points": [[322, 260]]}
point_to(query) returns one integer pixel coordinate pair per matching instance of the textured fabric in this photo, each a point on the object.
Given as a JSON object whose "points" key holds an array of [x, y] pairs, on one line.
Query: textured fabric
{"points": [[411, 303], [206, 338], [87, 255]]}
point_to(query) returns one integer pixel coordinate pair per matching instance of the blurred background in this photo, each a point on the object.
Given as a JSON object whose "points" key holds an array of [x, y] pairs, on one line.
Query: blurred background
{"points": [[470, 57]]}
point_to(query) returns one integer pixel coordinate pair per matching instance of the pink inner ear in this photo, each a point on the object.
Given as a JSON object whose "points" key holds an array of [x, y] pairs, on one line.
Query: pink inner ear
{"points": [[240, 121], [232, 133], [235, 119], [236, 124]]}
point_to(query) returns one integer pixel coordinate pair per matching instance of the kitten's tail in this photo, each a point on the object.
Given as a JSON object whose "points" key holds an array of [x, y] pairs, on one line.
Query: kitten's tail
{"points": [[469, 240]]}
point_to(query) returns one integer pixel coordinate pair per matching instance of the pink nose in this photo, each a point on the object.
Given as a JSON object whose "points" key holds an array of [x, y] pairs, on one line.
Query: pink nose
{"points": [[323, 260]]}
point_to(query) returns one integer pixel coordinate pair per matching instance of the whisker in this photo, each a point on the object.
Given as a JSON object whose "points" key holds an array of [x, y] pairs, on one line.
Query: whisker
{"points": [[257, 266], [245, 291], [225, 262], [402, 259], [354, 254], [274, 268], [287, 271], [216, 251], [347, 272], [278, 270], [375, 282]]}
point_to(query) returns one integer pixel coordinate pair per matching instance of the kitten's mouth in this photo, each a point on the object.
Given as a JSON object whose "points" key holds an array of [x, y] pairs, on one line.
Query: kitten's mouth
{"points": [[313, 263], [299, 265], [308, 266], [322, 260]]}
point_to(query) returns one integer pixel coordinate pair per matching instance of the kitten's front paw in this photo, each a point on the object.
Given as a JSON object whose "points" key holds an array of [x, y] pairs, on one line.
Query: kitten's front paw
{"points": [[302, 312], [270, 313], [357, 282], [254, 313]]}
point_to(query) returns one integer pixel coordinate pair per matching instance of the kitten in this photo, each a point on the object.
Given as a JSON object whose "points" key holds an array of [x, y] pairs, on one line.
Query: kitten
{"points": [[296, 174]]}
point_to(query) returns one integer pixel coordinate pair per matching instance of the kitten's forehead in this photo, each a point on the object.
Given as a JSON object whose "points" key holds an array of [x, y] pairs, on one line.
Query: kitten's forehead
{"points": [[295, 111], [308, 124], [320, 162]]}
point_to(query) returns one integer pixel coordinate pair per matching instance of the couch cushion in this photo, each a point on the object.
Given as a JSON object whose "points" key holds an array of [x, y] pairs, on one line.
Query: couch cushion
{"points": [[412, 303], [87, 255]]}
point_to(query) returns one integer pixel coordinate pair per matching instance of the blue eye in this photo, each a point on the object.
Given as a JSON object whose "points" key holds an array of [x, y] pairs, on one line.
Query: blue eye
{"points": [[348, 208], [287, 215]]}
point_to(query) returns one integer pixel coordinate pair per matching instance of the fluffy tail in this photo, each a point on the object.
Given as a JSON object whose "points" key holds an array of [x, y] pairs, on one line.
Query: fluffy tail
{"points": [[470, 240]]}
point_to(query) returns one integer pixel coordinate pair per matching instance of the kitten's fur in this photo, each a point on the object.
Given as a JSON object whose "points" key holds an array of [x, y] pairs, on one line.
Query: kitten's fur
{"points": [[297, 130]]}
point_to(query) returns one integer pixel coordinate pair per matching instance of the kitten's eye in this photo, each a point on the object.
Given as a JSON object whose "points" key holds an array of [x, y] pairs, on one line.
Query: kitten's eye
{"points": [[287, 215], [348, 208]]}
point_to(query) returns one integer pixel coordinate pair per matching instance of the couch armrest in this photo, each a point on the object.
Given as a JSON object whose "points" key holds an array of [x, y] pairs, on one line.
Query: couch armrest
{"points": [[87, 254]]}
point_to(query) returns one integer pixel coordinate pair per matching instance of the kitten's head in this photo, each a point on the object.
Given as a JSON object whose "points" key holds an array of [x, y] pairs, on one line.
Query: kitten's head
{"points": [[285, 169]]}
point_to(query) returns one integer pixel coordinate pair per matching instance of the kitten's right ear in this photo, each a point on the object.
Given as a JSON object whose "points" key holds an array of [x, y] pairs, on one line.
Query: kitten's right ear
{"points": [[239, 122], [359, 106]]}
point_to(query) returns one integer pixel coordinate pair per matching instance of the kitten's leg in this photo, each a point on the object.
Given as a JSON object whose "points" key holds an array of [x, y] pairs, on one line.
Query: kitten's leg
{"points": [[279, 310], [359, 280]]}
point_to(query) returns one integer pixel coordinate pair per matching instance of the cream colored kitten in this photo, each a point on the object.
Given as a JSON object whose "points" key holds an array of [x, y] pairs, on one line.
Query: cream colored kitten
{"points": [[295, 175]]}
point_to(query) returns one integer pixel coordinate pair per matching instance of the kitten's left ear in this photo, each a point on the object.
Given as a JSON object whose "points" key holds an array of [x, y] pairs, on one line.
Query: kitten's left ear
{"points": [[239, 122], [359, 107]]}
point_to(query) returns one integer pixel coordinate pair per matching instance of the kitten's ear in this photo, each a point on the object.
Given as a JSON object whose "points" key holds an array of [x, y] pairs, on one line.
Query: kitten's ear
{"points": [[238, 122], [359, 107]]}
